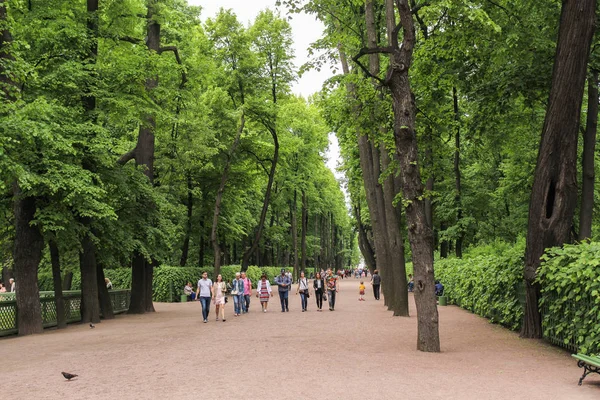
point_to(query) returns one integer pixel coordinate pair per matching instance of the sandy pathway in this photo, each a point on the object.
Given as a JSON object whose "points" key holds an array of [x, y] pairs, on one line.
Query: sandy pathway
{"points": [[358, 351]]}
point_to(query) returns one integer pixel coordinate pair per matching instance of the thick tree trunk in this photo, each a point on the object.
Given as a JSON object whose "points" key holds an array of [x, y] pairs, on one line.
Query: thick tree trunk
{"points": [[457, 184], [188, 231], [90, 306], [106, 308], [137, 303], [419, 233], [61, 318], [27, 255], [587, 162], [554, 192]]}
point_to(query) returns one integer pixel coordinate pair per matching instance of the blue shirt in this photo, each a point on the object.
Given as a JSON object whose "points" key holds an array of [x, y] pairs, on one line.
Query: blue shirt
{"points": [[283, 280]]}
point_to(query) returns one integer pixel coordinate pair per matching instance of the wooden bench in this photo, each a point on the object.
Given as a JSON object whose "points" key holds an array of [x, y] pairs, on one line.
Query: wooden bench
{"points": [[588, 363]]}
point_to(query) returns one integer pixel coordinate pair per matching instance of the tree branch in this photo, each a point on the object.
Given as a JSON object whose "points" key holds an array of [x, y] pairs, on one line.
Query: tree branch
{"points": [[260, 160], [125, 158], [375, 50], [178, 58]]}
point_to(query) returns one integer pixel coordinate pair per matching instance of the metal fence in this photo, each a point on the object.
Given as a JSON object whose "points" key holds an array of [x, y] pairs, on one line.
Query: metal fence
{"points": [[9, 312]]}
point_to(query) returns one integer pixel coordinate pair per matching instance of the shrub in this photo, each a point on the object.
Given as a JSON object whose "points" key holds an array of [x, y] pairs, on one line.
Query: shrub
{"points": [[570, 278], [486, 285]]}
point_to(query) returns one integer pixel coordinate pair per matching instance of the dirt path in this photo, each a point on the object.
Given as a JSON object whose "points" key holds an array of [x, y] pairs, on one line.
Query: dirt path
{"points": [[358, 351]]}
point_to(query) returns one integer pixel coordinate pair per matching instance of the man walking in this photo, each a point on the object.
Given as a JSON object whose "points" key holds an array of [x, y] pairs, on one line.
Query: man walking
{"points": [[203, 294], [247, 293], [283, 283], [376, 283], [237, 291]]}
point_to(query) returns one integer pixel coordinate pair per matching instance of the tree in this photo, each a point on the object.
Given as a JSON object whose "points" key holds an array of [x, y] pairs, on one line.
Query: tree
{"points": [[554, 192]]}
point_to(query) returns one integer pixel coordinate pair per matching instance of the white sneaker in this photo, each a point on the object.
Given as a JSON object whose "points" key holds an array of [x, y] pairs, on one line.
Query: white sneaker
{"points": [[264, 310]]}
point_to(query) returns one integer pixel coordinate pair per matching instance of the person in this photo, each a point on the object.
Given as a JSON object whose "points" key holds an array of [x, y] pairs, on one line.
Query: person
{"points": [[361, 291], [108, 283], [237, 291], [439, 289], [218, 295], [247, 293], [376, 283], [189, 291], [332, 288], [411, 283], [319, 286], [263, 292], [303, 290], [283, 284], [2, 288], [13, 285], [203, 294]]}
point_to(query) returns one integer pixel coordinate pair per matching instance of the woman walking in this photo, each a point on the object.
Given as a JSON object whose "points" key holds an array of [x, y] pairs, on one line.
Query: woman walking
{"points": [[319, 286], [303, 289], [263, 292], [218, 295], [237, 291]]}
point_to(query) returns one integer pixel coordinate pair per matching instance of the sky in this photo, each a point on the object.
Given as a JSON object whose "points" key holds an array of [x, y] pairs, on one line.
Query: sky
{"points": [[305, 30]]}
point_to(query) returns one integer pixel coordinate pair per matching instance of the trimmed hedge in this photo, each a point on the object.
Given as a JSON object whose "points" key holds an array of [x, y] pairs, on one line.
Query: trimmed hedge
{"points": [[570, 278], [168, 281], [487, 285]]}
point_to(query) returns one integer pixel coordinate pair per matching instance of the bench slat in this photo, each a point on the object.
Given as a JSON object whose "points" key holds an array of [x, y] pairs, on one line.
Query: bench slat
{"points": [[595, 361]]}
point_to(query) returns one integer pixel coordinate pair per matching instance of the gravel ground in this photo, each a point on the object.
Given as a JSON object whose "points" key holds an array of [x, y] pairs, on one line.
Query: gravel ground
{"points": [[359, 351]]}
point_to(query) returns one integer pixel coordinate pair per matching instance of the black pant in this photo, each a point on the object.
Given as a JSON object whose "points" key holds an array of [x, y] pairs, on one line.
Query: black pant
{"points": [[283, 299], [376, 291], [319, 297]]}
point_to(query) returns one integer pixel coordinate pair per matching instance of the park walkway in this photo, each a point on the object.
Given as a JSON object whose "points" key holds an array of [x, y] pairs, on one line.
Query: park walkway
{"points": [[359, 351]]}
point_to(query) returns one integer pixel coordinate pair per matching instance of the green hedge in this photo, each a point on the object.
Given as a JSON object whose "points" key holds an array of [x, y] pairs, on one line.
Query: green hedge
{"points": [[487, 285], [168, 281], [570, 278]]}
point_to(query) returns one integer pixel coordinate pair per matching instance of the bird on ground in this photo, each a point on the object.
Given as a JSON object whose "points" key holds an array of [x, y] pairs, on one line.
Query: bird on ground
{"points": [[68, 376], [92, 325]]}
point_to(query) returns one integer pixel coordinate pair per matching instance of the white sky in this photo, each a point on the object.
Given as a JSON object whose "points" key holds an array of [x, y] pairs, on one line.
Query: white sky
{"points": [[305, 30]]}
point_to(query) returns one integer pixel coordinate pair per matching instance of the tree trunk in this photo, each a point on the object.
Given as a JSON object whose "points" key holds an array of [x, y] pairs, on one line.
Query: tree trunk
{"points": [[587, 162], [266, 201], [364, 244], [443, 242], [219, 198], [419, 233], [29, 244], [137, 303], [61, 317], [201, 245], [294, 230], [106, 308], [67, 280], [190, 204], [90, 306], [554, 192], [457, 185], [431, 179], [304, 229]]}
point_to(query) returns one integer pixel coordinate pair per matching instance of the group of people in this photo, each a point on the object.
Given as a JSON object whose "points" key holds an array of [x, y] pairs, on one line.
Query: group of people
{"points": [[12, 286], [324, 287]]}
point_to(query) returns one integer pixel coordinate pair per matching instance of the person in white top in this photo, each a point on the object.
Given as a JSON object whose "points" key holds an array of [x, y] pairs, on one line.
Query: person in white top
{"points": [[204, 295], [303, 290], [13, 286]]}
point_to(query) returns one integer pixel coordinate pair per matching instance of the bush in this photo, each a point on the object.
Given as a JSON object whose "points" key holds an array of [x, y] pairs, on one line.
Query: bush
{"points": [[570, 278], [486, 285]]}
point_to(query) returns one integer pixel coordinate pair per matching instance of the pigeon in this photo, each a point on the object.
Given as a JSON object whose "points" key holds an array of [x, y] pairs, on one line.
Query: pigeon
{"points": [[92, 325], [68, 376]]}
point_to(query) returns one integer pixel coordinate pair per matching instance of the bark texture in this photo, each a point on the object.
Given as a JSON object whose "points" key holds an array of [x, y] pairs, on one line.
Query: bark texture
{"points": [[554, 192]]}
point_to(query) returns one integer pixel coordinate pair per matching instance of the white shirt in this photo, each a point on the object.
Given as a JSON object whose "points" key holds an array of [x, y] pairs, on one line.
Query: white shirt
{"points": [[204, 285]]}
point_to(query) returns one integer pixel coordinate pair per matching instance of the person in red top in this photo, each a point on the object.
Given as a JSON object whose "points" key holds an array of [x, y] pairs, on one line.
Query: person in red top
{"points": [[247, 293], [332, 288]]}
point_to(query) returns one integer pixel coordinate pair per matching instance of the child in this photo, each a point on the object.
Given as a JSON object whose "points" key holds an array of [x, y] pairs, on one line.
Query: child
{"points": [[361, 291]]}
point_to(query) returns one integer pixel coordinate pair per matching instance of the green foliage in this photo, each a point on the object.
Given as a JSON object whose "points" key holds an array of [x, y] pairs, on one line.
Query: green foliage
{"points": [[570, 278], [487, 284]]}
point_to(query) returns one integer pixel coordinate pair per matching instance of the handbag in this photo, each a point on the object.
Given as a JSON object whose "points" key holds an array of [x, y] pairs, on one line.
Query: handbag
{"points": [[325, 297]]}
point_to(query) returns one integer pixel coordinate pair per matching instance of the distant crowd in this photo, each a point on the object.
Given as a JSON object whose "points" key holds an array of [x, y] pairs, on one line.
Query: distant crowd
{"points": [[324, 287], [11, 287]]}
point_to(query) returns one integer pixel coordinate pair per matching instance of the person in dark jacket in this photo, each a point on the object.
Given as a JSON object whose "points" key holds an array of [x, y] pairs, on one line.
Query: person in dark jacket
{"points": [[376, 283], [319, 286]]}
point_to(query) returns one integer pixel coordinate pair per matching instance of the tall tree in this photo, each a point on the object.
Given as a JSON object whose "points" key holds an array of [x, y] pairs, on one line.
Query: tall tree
{"points": [[554, 192], [587, 161]]}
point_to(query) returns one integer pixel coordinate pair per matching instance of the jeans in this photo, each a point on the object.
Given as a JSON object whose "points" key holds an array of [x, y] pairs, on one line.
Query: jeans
{"points": [[246, 303], [283, 298], [376, 291], [238, 300], [205, 302], [331, 298], [304, 300], [319, 297]]}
